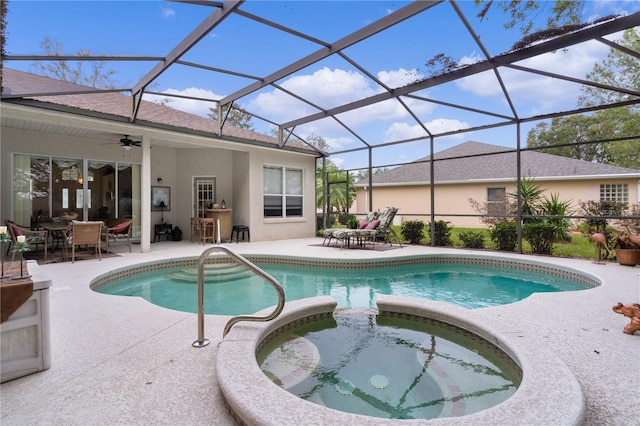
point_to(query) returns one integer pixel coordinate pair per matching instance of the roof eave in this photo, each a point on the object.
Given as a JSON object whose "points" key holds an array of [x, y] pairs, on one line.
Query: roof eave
{"points": [[499, 180]]}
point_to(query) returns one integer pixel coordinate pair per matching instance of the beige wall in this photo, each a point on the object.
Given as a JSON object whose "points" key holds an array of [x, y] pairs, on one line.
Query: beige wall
{"points": [[414, 202]]}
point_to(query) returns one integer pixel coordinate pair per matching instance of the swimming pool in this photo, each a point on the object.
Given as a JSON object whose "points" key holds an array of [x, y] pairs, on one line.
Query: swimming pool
{"points": [[468, 281]]}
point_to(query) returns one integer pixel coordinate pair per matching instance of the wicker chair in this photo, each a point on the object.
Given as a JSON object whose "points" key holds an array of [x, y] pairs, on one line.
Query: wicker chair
{"points": [[31, 237], [84, 234]]}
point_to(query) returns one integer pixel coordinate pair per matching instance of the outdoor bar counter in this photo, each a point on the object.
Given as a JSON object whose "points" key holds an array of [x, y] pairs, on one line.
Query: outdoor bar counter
{"points": [[25, 331]]}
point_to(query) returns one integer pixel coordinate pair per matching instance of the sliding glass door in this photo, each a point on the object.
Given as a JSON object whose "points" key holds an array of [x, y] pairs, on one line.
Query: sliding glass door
{"points": [[57, 189]]}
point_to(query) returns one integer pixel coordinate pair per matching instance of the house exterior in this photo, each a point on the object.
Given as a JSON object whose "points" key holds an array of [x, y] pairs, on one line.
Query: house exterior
{"points": [[61, 156], [486, 174]]}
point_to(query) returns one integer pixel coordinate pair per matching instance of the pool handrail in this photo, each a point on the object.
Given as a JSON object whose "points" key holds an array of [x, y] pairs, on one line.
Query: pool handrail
{"points": [[201, 342]]}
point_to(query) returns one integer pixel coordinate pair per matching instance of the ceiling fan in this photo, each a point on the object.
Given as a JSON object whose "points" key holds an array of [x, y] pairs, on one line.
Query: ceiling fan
{"points": [[127, 143]]}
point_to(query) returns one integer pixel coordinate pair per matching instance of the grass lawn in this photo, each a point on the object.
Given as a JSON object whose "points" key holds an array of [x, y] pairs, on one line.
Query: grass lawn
{"points": [[579, 247]]}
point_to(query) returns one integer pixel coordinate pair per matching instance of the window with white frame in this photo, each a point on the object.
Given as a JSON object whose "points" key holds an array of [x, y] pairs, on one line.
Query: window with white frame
{"points": [[614, 192], [497, 201], [282, 192]]}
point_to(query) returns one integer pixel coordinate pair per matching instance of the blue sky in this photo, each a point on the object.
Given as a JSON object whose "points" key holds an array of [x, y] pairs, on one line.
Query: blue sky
{"points": [[396, 57]]}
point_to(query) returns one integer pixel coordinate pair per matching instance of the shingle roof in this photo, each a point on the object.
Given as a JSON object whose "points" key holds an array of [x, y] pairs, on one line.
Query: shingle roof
{"points": [[119, 105], [494, 167]]}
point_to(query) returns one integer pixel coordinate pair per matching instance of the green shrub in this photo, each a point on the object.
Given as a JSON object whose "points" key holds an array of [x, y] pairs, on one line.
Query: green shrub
{"points": [[540, 235], [353, 223], [505, 235], [344, 218], [412, 231], [442, 233], [471, 239]]}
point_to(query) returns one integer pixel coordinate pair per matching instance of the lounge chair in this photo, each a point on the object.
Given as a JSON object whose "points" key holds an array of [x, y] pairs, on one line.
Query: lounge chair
{"points": [[384, 230], [374, 230], [331, 233]]}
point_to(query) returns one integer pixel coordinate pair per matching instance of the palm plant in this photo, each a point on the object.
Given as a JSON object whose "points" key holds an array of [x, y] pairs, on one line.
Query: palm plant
{"points": [[338, 198], [553, 206], [530, 195]]}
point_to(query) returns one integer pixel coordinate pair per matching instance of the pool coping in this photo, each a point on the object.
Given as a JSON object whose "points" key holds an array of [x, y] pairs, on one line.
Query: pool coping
{"points": [[542, 398]]}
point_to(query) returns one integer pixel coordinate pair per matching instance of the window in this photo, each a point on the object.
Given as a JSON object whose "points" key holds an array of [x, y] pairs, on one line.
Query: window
{"points": [[496, 201], [614, 192], [282, 192]]}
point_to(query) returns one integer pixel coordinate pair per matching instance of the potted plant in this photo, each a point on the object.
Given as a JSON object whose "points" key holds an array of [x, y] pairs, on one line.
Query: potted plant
{"points": [[628, 247]]}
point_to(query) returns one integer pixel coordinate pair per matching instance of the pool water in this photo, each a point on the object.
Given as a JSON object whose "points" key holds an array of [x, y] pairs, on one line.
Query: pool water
{"points": [[390, 367], [229, 291]]}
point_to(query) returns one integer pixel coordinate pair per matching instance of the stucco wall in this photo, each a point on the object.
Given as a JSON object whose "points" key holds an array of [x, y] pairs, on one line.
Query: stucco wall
{"points": [[415, 201]]}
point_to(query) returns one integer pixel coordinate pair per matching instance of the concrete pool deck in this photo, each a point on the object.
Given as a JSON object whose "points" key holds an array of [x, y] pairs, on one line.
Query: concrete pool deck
{"points": [[122, 360]]}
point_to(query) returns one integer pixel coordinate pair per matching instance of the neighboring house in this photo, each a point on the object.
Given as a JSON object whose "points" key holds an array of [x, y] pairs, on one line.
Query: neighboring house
{"points": [[62, 155], [467, 171]]}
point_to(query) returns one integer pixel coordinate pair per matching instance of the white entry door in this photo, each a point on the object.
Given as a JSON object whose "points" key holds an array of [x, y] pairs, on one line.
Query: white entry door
{"points": [[204, 194]]}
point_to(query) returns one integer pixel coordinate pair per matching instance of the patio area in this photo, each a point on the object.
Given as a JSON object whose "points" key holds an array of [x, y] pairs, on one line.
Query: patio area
{"points": [[122, 360]]}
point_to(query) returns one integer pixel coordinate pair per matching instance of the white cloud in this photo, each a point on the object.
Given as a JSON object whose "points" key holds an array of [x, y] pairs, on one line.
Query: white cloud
{"points": [[325, 88], [470, 59], [400, 77], [331, 87], [540, 93], [196, 107], [168, 13], [338, 161], [400, 131]]}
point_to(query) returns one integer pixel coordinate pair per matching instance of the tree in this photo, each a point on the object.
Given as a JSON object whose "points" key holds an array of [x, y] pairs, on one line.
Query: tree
{"points": [[235, 117], [96, 76], [364, 174], [563, 12], [561, 130], [339, 200], [617, 69]]}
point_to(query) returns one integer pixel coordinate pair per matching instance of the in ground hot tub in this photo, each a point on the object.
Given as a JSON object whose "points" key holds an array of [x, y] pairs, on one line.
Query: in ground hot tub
{"points": [[442, 391], [389, 365]]}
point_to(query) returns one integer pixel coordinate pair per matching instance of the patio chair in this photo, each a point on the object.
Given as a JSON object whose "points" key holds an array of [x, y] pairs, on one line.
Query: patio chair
{"points": [[384, 230], [84, 234], [116, 229], [333, 233], [374, 227], [31, 237]]}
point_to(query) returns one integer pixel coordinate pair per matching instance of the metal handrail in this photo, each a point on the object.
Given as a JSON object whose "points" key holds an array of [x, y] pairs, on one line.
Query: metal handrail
{"points": [[201, 342]]}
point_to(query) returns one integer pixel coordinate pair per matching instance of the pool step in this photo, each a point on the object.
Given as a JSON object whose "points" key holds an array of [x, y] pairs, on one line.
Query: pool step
{"points": [[213, 272]]}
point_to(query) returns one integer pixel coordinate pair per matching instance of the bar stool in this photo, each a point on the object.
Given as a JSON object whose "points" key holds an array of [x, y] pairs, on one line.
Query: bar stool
{"points": [[238, 229], [207, 229]]}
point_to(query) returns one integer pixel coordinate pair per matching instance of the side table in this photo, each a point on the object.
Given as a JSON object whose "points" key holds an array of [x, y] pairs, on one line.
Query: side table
{"points": [[162, 229]]}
